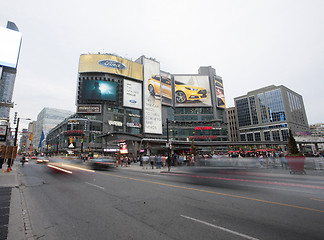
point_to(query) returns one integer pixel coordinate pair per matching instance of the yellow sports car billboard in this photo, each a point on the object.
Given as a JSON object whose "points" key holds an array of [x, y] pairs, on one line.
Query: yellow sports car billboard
{"points": [[110, 64]]}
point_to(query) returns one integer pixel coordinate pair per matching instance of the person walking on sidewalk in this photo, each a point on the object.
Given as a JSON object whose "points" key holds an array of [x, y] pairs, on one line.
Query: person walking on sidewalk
{"points": [[23, 160]]}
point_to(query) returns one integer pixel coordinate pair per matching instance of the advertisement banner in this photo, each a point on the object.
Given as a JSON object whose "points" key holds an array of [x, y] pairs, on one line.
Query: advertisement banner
{"points": [[98, 90], [220, 93], [160, 87], [9, 47], [152, 105], [132, 95], [3, 132], [110, 64], [87, 108], [192, 91]]}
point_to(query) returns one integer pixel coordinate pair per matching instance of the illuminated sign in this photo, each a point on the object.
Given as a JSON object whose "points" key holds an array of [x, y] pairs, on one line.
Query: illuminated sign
{"points": [[73, 122], [203, 128], [134, 125], [89, 109], [123, 148], [115, 123]]}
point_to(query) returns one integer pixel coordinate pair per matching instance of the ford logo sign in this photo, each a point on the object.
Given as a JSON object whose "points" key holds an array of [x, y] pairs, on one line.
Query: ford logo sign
{"points": [[132, 101], [112, 64]]}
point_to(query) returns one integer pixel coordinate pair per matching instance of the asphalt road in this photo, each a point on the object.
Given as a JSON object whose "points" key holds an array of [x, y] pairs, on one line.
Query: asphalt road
{"points": [[183, 204]]}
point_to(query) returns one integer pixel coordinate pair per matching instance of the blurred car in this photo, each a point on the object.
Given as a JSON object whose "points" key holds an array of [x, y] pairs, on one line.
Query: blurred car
{"points": [[42, 160], [103, 162], [183, 92]]}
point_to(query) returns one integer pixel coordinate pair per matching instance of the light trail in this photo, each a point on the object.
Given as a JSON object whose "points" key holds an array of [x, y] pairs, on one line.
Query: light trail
{"points": [[60, 169]]}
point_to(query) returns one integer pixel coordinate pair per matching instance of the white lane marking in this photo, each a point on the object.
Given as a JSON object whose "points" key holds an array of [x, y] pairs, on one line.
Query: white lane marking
{"points": [[95, 185], [61, 169], [220, 228]]}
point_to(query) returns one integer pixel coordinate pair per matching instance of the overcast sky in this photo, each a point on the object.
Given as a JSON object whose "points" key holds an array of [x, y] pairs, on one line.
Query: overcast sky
{"points": [[250, 43]]}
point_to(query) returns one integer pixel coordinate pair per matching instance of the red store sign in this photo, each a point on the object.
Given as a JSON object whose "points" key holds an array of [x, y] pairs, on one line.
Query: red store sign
{"points": [[203, 128]]}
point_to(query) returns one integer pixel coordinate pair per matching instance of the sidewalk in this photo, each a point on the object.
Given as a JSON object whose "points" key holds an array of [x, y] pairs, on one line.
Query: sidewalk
{"points": [[11, 212]]}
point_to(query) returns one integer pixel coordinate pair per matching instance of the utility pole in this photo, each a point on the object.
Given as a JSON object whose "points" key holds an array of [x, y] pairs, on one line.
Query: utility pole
{"points": [[16, 132], [168, 145]]}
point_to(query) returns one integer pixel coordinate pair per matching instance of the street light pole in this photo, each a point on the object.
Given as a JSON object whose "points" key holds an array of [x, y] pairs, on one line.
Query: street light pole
{"points": [[16, 132], [168, 145]]}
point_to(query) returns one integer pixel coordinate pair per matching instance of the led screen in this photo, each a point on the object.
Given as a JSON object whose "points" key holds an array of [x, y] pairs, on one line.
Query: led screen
{"points": [[192, 91], [99, 90], [9, 47]]}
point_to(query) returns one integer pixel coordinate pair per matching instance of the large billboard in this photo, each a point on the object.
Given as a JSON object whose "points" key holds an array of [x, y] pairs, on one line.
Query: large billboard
{"points": [[98, 90], [220, 93], [192, 91], [160, 87], [110, 64], [152, 105], [9, 47], [132, 96]]}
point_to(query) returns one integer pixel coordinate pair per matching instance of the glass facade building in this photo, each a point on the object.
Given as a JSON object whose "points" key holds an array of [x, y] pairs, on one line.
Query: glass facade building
{"points": [[266, 114], [47, 119]]}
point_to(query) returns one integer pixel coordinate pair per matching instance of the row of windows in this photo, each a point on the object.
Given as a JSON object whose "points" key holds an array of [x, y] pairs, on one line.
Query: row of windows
{"points": [[193, 111], [275, 106], [194, 118], [265, 128], [277, 135], [294, 101], [270, 104], [243, 112]]}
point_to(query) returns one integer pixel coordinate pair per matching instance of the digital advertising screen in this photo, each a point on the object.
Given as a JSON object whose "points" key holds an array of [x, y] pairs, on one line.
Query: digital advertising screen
{"points": [[192, 91], [220, 93], [99, 90], [9, 47]]}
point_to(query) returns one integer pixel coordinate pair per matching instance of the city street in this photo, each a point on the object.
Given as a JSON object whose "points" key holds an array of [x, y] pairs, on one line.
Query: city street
{"points": [[185, 203]]}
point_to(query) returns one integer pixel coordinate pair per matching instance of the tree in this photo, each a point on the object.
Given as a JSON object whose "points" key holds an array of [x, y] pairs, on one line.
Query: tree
{"points": [[292, 145]]}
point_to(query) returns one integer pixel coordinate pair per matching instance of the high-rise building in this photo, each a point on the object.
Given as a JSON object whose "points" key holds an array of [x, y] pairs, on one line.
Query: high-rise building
{"points": [[232, 125], [268, 113], [47, 119], [10, 42], [139, 101], [317, 129]]}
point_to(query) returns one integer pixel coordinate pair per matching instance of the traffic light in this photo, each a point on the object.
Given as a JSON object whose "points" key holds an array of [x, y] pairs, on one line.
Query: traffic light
{"points": [[15, 118]]}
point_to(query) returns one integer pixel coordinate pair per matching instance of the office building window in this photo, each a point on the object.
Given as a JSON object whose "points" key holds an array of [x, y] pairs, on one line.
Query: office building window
{"points": [[257, 136], [275, 135], [249, 137], [242, 137], [275, 106], [263, 109], [253, 110], [285, 134], [243, 112], [267, 136]]}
